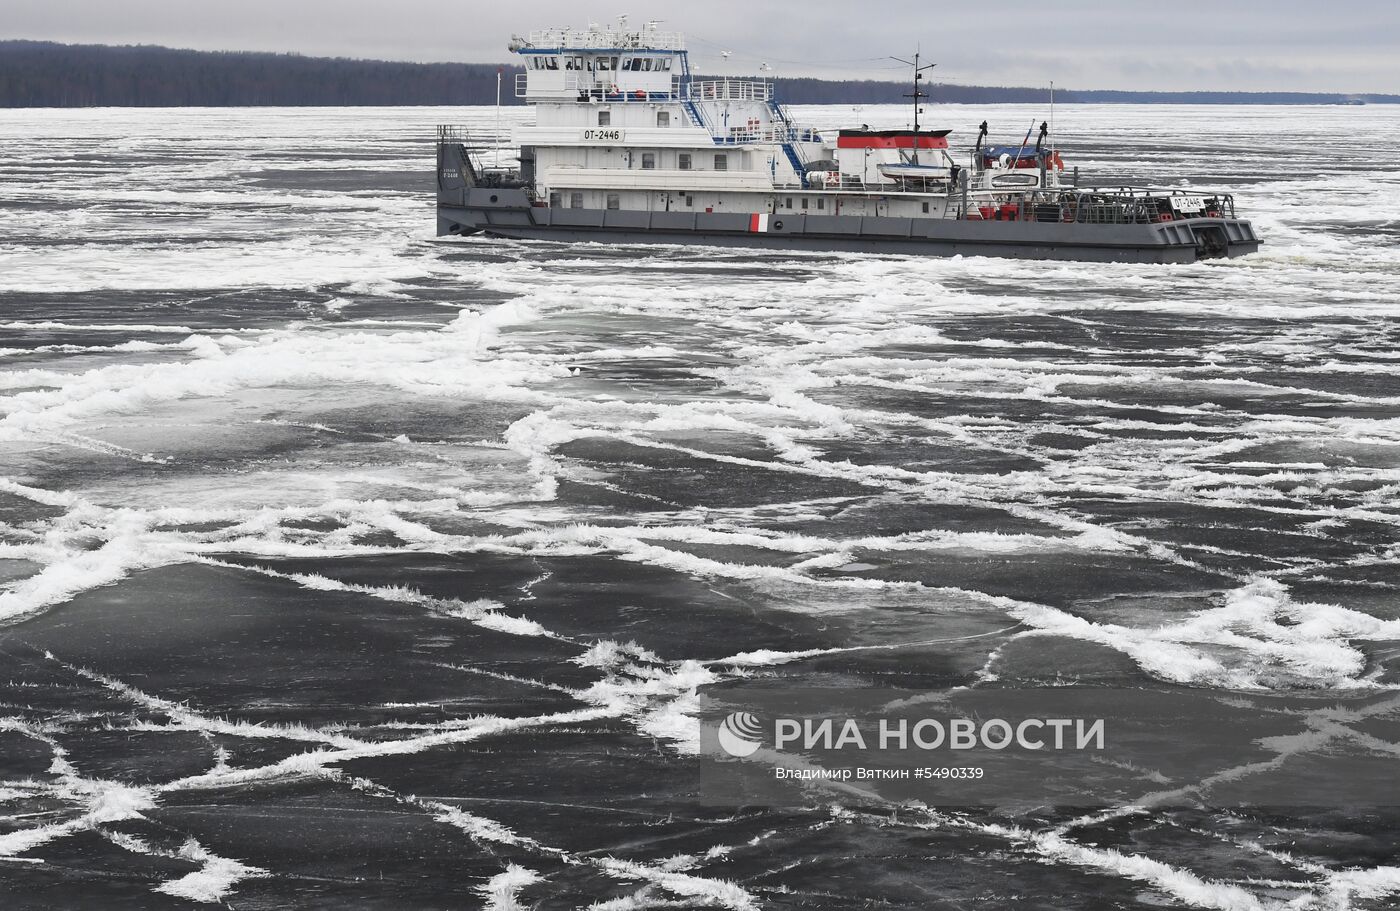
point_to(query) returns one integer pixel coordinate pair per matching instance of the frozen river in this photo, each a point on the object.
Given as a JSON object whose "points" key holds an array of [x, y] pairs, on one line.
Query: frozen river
{"points": [[344, 566]]}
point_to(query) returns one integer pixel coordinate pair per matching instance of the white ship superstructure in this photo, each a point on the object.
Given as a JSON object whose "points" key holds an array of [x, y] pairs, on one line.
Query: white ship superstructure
{"points": [[619, 124], [627, 144]]}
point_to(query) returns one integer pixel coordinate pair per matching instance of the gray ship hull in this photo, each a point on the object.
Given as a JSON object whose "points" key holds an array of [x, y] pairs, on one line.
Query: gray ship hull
{"points": [[465, 208]]}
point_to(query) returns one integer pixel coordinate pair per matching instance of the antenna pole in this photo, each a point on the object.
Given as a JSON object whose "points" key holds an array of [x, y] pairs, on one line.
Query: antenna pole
{"points": [[497, 151], [916, 94], [916, 101]]}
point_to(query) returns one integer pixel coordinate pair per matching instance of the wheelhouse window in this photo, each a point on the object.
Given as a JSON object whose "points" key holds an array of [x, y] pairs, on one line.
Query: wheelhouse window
{"points": [[613, 201], [575, 200], [663, 118], [721, 161], [604, 118], [605, 64], [684, 163], [648, 161]]}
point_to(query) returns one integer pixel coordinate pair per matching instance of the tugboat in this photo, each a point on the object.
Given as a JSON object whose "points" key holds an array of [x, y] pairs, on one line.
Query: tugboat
{"points": [[627, 147]]}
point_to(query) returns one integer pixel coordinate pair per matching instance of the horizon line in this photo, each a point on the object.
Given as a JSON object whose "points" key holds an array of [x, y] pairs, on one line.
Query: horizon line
{"points": [[515, 66]]}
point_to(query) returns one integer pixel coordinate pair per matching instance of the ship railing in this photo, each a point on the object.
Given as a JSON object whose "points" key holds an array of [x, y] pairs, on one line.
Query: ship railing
{"points": [[450, 132], [1142, 205], [1089, 205], [600, 91], [591, 87], [487, 152], [1137, 197], [731, 90], [648, 38], [744, 135]]}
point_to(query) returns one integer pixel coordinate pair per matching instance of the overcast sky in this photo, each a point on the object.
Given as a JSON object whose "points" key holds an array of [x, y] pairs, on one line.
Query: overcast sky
{"points": [[1286, 45]]}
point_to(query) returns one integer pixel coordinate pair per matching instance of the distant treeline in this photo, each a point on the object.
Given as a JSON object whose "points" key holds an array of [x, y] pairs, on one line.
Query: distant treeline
{"points": [[46, 74]]}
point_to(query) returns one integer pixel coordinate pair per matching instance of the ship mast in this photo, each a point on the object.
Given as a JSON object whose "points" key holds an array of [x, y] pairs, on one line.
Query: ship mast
{"points": [[916, 94]]}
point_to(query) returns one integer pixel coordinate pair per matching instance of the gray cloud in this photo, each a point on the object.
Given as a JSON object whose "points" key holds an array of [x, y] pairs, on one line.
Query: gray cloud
{"points": [[1344, 45]]}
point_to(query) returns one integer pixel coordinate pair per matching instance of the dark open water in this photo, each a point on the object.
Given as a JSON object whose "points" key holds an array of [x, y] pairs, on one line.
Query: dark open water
{"points": [[344, 567]]}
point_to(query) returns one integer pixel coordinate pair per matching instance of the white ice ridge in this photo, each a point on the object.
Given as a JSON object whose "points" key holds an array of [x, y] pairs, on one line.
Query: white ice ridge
{"points": [[1259, 638], [769, 657], [461, 358], [628, 690], [1327, 891], [318, 762], [104, 802], [659, 698], [502, 891], [95, 801], [216, 878], [667, 875], [482, 612], [98, 803], [536, 435], [184, 718], [70, 572]]}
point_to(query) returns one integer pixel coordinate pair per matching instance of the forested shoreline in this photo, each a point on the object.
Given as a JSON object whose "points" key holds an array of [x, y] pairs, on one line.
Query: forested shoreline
{"points": [[49, 74]]}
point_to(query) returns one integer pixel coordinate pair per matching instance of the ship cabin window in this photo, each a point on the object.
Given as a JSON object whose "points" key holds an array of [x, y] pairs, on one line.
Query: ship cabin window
{"points": [[663, 118], [787, 203], [648, 161], [925, 208], [551, 63], [664, 64], [721, 161], [575, 200], [613, 201], [556, 200], [690, 201], [821, 203], [684, 163], [804, 202], [604, 118]]}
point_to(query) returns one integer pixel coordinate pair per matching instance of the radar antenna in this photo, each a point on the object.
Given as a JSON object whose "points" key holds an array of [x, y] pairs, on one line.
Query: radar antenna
{"points": [[916, 94]]}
